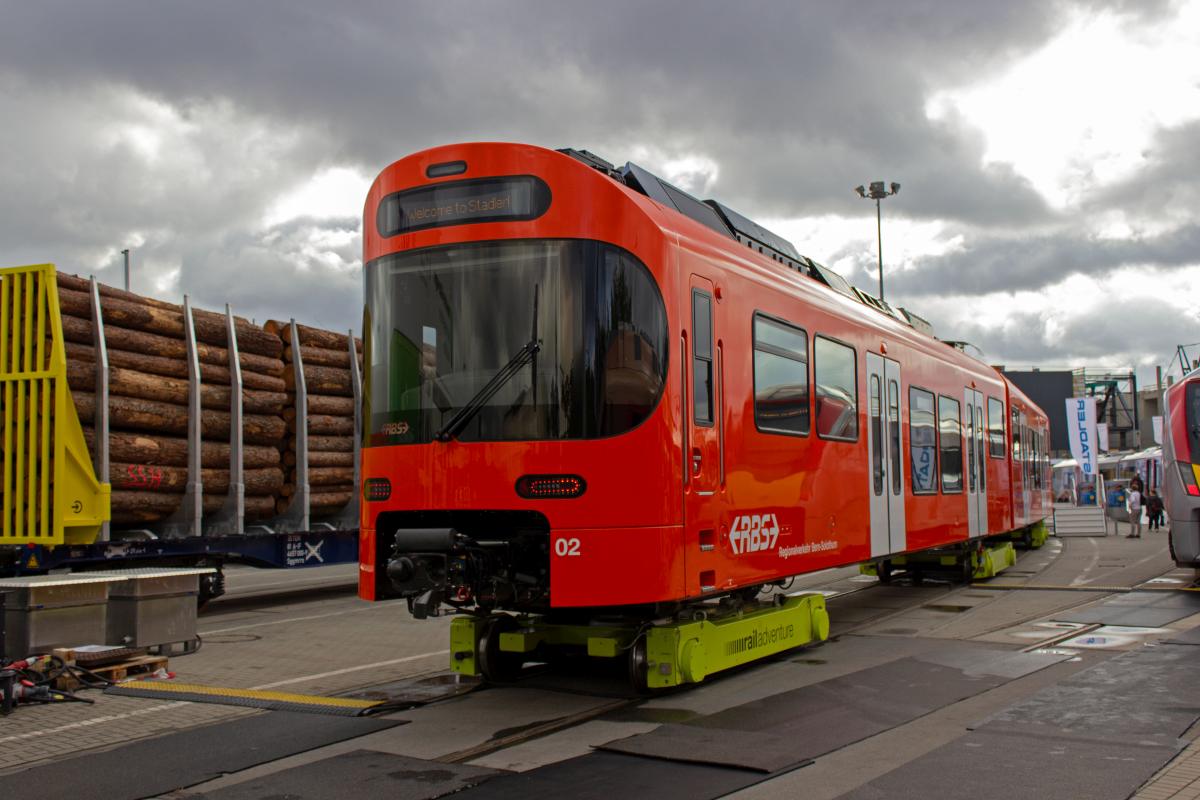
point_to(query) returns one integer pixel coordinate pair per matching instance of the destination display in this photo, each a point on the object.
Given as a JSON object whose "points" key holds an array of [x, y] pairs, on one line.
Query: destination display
{"points": [[511, 198]]}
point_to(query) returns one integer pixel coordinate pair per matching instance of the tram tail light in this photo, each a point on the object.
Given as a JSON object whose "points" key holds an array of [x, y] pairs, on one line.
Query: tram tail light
{"points": [[377, 489], [550, 487], [1188, 475]]}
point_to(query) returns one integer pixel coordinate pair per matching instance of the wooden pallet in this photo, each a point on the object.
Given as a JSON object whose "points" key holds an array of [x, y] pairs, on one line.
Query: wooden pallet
{"points": [[119, 671]]}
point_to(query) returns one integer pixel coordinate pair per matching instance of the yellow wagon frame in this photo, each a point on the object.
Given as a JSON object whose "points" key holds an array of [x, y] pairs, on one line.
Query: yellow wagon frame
{"points": [[51, 495]]}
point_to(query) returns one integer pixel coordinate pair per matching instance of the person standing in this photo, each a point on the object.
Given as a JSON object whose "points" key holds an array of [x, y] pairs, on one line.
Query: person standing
{"points": [[1135, 513], [1154, 508]]}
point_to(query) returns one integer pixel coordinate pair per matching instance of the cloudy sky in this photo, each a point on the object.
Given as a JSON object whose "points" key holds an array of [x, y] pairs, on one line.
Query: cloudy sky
{"points": [[1050, 209]]}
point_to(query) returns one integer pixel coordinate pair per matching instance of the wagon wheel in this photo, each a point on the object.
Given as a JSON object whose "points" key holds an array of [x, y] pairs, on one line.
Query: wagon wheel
{"points": [[496, 665]]}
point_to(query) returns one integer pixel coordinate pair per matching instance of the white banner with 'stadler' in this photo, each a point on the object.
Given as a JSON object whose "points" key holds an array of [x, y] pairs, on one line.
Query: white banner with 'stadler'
{"points": [[1081, 432]]}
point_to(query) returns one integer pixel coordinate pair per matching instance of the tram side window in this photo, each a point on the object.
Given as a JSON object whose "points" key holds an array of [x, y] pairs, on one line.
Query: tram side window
{"points": [[995, 428], [922, 439], [780, 377], [702, 391], [835, 375], [950, 440]]}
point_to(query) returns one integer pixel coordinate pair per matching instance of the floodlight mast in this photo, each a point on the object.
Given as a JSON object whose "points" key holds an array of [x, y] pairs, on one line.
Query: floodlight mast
{"points": [[878, 191]]}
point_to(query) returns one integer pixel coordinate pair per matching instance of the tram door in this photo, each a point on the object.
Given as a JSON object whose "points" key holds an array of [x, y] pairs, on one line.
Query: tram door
{"points": [[1026, 477], [973, 433], [702, 399], [886, 475]]}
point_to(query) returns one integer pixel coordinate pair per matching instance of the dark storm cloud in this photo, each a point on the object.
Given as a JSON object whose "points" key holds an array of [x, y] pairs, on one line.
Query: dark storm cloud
{"points": [[1165, 185], [1128, 332], [1017, 262], [798, 101]]}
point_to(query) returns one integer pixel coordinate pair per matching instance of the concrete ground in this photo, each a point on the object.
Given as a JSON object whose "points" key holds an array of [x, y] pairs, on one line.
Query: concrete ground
{"points": [[305, 631]]}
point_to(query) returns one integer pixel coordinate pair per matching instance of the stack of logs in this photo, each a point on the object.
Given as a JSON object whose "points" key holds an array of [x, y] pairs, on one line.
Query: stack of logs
{"points": [[148, 401], [325, 356]]}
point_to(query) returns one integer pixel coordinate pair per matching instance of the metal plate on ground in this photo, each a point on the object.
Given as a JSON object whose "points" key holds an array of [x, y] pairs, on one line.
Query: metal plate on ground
{"points": [[1114, 637], [151, 767], [757, 752], [1138, 609], [362, 774], [414, 692], [247, 698]]}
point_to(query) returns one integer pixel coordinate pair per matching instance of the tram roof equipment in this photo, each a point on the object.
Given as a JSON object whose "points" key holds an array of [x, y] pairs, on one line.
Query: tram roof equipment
{"points": [[724, 220]]}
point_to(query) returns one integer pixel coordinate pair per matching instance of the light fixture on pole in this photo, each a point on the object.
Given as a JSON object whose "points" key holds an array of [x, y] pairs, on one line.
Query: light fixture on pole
{"points": [[877, 192]]}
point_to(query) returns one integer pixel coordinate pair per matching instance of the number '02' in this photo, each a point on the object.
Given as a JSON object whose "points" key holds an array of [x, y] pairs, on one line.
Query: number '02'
{"points": [[566, 547]]}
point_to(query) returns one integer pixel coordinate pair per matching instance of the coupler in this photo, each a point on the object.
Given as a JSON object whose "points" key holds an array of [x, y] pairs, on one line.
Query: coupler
{"points": [[702, 640]]}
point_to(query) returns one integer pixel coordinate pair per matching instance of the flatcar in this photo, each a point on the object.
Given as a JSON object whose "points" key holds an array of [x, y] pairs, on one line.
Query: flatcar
{"points": [[1181, 468], [590, 395]]}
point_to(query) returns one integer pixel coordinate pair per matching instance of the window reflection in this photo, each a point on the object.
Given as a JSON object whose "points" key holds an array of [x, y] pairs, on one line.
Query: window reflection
{"points": [[443, 321]]}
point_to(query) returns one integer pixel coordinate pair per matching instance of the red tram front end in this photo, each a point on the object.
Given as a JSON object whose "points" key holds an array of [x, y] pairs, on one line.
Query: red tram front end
{"points": [[1181, 468], [520, 446]]}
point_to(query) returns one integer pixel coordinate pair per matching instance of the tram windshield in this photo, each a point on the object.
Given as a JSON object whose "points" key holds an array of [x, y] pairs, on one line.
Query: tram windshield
{"points": [[443, 324]]}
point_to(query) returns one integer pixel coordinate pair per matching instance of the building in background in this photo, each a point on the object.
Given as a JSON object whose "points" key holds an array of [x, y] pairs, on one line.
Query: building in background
{"points": [[1050, 389], [1127, 412]]}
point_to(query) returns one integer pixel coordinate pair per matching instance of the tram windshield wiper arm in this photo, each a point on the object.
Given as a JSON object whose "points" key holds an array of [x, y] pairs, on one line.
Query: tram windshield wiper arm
{"points": [[476, 403]]}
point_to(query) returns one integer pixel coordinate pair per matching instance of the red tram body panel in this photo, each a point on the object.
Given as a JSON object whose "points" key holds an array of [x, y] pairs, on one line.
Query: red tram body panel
{"points": [[675, 412]]}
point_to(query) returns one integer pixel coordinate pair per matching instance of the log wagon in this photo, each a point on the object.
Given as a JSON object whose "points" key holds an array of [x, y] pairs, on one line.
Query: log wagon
{"points": [[148, 433]]}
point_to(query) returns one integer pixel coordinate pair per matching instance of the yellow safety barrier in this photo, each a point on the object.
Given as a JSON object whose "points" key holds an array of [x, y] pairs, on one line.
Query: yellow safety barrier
{"points": [[50, 492]]}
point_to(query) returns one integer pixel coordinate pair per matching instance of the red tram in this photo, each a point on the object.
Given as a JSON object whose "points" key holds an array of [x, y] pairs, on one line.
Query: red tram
{"points": [[588, 389], [1181, 483]]}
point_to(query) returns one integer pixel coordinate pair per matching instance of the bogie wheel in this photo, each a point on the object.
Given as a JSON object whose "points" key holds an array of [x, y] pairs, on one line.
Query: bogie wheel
{"points": [[1027, 538], [638, 669], [496, 665], [968, 567], [883, 570]]}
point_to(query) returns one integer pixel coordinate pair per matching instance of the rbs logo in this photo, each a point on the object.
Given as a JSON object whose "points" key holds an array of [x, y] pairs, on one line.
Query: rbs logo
{"points": [[752, 533]]}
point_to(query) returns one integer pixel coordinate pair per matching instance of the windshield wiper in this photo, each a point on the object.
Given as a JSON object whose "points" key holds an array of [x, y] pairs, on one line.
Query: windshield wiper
{"points": [[476, 403]]}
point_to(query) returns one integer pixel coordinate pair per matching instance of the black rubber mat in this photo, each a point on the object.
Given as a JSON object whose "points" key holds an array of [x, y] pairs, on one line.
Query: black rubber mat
{"points": [[1148, 696], [1003, 767], [757, 752], [363, 775], [792, 728], [831, 714], [606, 776], [1138, 610], [151, 767], [1098, 735]]}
